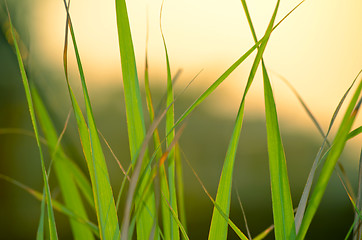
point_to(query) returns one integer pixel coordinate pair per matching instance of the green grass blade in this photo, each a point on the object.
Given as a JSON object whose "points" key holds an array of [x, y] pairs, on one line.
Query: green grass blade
{"points": [[134, 114], [135, 120], [180, 187], [264, 234], [218, 228], [170, 132], [218, 81], [148, 178], [81, 180], [65, 178], [157, 146], [332, 158], [358, 216], [281, 197], [40, 231], [280, 188], [350, 231], [303, 200], [102, 191], [139, 182], [52, 227], [357, 230], [355, 132], [175, 217]]}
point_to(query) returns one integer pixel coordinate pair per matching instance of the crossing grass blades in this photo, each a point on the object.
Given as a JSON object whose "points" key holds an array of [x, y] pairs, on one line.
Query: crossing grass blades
{"points": [[154, 205]]}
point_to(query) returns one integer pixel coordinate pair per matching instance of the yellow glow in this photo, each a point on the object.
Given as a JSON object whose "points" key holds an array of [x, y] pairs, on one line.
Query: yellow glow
{"points": [[318, 48]]}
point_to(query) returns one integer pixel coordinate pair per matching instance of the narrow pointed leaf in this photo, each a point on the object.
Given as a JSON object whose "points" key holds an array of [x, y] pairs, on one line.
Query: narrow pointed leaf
{"points": [[65, 177], [170, 135], [51, 220], [134, 112], [280, 188], [218, 228], [102, 191]]}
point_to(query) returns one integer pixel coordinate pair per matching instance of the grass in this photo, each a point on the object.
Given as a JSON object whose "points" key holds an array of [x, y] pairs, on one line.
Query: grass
{"points": [[150, 203]]}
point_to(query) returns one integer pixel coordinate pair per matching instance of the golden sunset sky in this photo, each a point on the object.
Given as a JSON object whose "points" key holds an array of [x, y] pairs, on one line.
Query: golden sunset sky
{"points": [[318, 48]]}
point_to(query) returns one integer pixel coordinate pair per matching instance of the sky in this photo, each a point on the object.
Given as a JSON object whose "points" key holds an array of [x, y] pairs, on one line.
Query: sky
{"points": [[317, 49]]}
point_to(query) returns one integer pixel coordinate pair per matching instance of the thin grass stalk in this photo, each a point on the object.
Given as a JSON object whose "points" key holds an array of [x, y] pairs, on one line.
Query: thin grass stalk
{"points": [[156, 136], [303, 200], [51, 220], [170, 135], [357, 211], [243, 213], [180, 188], [238, 232], [333, 156], [306, 191], [56, 205]]}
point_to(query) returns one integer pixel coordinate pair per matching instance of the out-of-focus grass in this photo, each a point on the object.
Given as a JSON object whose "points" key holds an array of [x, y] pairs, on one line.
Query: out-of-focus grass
{"points": [[150, 184]]}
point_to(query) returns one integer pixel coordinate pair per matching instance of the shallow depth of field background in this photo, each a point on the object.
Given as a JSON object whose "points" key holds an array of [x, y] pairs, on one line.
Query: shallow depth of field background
{"points": [[318, 49]]}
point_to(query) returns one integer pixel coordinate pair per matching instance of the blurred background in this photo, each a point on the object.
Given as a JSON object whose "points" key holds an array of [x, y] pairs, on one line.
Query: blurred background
{"points": [[317, 48]]}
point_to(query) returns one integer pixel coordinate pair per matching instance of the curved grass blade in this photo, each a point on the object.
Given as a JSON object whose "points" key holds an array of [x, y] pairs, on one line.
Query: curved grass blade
{"points": [[218, 228], [65, 178], [51, 220], [332, 158], [102, 191]]}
